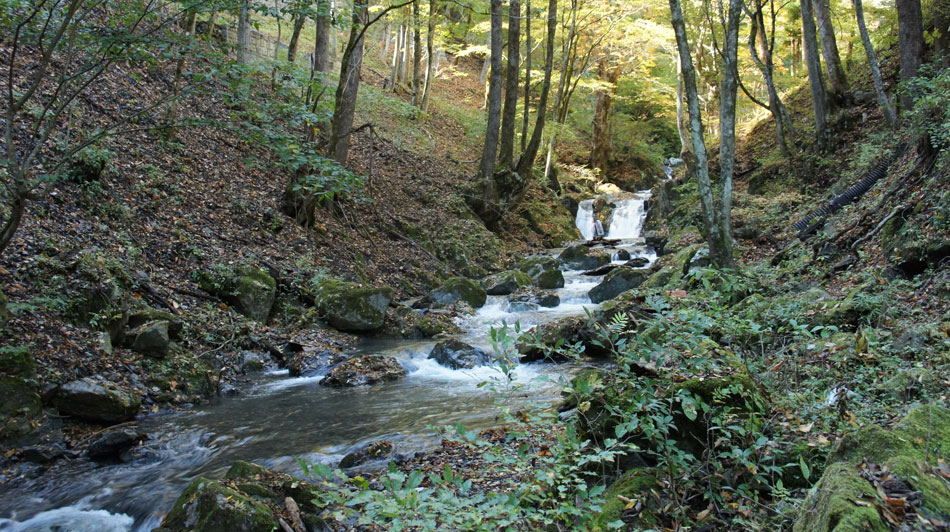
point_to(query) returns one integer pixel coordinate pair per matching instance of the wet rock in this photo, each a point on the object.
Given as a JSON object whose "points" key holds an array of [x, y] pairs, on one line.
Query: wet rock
{"points": [[141, 317], [20, 400], [151, 339], [638, 262], [97, 400], [351, 307], [617, 282], [522, 306], [253, 362], [459, 355], [544, 270], [310, 362], [377, 450], [535, 298], [405, 322], [656, 240], [44, 454], [113, 443], [603, 270], [580, 257], [210, 506], [570, 330], [457, 289], [623, 255], [506, 282], [364, 370]]}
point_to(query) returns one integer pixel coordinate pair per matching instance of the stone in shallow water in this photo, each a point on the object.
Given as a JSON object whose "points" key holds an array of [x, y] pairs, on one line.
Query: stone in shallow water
{"points": [[363, 370], [97, 400], [459, 355], [114, 442], [377, 450]]}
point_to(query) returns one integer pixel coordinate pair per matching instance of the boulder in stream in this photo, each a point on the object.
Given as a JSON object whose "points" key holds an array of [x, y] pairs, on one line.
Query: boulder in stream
{"points": [[544, 270], [97, 400], [456, 354], [377, 450], [581, 257], [351, 307], [457, 289], [506, 282], [617, 282], [527, 300], [363, 370], [113, 443]]}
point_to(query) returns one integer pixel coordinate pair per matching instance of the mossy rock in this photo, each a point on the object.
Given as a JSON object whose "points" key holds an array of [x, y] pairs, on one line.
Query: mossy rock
{"points": [[141, 317], [404, 322], [737, 392], [848, 313], [252, 291], [537, 264], [101, 306], [908, 452], [581, 257], [670, 270], [151, 338], [364, 370], [506, 282], [618, 281], [20, 402], [97, 400], [540, 344], [4, 312], [635, 484], [210, 506], [457, 289], [353, 308]]}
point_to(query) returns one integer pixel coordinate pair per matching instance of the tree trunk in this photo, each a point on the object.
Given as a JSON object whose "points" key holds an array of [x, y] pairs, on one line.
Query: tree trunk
{"points": [[882, 99], [682, 125], [818, 95], [764, 63], [508, 116], [394, 74], [416, 56], [347, 88], [527, 75], [911, 36], [727, 136], [565, 75], [526, 162], [244, 33], [486, 66], [321, 44], [487, 167], [430, 52], [698, 163], [299, 22], [600, 153], [332, 49], [829, 50], [212, 20]]}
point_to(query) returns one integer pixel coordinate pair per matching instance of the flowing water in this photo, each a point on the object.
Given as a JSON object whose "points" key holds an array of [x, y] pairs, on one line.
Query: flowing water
{"points": [[278, 419]]}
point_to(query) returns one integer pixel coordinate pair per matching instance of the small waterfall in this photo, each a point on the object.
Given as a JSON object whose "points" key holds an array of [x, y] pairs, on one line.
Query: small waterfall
{"points": [[585, 219], [626, 222]]}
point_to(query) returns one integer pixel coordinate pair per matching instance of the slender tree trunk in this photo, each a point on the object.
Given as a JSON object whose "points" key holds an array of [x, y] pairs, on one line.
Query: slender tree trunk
{"points": [[486, 66], [727, 136], [331, 30], [393, 76], [682, 124], [430, 52], [404, 54], [384, 43], [527, 75], [191, 20], [212, 20], [829, 50], [321, 44], [699, 163], [508, 116], [818, 95], [565, 76], [487, 167], [347, 88], [416, 56], [600, 152], [764, 63], [244, 32], [526, 163], [882, 99], [299, 22], [911, 36], [277, 41]]}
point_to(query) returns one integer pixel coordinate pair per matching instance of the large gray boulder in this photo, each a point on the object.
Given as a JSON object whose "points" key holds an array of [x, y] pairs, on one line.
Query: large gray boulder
{"points": [[151, 339], [617, 282], [351, 307], [506, 282], [252, 291], [459, 355], [581, 257], [457, 289], [363, 370], [97, 400], [544, 270]]}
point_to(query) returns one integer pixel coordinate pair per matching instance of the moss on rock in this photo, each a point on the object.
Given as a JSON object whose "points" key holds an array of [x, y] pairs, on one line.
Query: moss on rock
{"points": [[457, 289], [633, 485], [506, 282], [353, 308], [210, 506], [20, 403]]}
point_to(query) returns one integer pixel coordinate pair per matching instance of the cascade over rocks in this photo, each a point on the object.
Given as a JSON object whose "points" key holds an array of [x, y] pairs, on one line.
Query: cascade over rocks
{"points": [[97, 400], [617, 282], [456, 354], [351, 307], [529, 300], [364, 370]]}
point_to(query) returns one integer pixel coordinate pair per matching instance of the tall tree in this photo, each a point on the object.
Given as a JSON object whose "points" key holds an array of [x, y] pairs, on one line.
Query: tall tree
{"points": [[882, 98], [243, 32], [762, 57], [527, 75], [819, 96], [829, 51], [348, 86], [508, 115], [566, 63], [301, 11], [526, 162], [727, 136], [698, 163], [416, 56], [321, 45], [603, 96], [911, 36], [487, 167], [430, 54]]}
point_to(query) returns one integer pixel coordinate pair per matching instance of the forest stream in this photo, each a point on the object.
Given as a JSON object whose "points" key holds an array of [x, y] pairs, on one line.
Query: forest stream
{"points": [[278, 419]]}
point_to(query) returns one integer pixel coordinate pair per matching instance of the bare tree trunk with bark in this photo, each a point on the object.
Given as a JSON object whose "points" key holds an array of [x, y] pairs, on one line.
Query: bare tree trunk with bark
{"points": [[321, 45], [508, 116], [347, 88], [416, 56], [526, 162], [889, 114], [527, 75], [819, 96], [299, 20], [487, 167], [561, 86], [600, 152], [729, 72], [911, 36], [430, 52], [829, 50], [757, 33], [244, 33]]}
